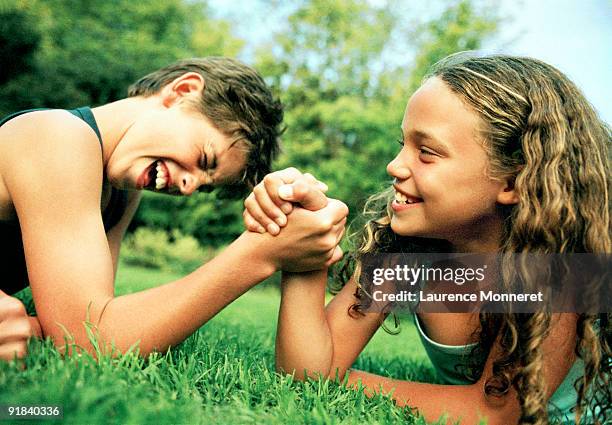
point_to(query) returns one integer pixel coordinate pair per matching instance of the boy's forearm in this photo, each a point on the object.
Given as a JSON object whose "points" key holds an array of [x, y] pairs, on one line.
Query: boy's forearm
{"points": [[303, 340], [164, 316]]}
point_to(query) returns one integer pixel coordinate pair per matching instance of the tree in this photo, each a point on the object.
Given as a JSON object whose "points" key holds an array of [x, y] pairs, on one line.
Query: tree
{"points": [[90, 52], [344, 103], [69, 53]]}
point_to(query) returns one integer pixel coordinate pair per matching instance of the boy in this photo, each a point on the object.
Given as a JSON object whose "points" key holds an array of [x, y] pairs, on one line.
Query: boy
{"points": [[65, 204]]}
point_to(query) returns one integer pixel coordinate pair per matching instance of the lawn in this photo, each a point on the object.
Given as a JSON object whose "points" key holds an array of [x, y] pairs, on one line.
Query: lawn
{"points": [[223, 374]]}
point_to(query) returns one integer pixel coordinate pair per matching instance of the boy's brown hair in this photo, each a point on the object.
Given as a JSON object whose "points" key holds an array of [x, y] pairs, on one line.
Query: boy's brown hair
{"points": [[238, 102]]}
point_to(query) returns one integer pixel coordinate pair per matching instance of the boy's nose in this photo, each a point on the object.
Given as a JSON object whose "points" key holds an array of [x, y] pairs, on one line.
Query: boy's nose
{"points": [[187, 185], [191, 183]]}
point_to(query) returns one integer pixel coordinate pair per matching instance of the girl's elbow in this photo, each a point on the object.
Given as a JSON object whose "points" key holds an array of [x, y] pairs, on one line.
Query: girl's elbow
{"points": [[496, 410], [302, 373]]}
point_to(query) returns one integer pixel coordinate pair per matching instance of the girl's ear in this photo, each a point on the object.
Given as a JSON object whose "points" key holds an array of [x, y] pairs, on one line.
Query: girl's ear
{"points": [[188, 84], [507, 195]]}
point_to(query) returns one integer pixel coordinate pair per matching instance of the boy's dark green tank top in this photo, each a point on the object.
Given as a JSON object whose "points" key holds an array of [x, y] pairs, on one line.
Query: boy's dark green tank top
{"points": [[13, 271]]}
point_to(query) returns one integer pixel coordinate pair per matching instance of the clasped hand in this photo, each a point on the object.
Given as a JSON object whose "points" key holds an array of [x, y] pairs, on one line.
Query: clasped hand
{"points": [[306, 226]]}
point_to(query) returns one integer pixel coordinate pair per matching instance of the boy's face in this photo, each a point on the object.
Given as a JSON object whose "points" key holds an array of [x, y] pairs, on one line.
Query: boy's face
{"points": [[175, 150]]}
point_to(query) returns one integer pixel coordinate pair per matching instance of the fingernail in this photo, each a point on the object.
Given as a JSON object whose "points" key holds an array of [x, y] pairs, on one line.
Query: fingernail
{"points": [[286, 208], [273, 228], [285, 191], [260, 229], [281, 220]]}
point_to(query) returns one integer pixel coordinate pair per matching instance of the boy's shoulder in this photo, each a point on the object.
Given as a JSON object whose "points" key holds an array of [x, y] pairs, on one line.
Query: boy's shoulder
{"points": [[47, 131], [49, 147]]}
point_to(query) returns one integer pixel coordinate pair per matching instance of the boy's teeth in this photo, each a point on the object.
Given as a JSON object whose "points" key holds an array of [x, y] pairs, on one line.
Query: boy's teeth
{"points": [[160, 183], [161, 172]]}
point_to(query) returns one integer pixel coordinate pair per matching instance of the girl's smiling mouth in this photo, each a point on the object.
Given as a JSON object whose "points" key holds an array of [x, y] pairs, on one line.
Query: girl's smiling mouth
{"points": [[403, 201]]}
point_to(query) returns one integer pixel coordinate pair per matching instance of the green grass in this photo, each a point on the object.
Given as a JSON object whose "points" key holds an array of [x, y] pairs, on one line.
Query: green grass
{"points": [[223, 374]]}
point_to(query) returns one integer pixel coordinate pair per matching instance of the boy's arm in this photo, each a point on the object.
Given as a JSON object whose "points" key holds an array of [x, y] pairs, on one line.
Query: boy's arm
{"points": [[54, 176], [116, 233], [16, 327]]}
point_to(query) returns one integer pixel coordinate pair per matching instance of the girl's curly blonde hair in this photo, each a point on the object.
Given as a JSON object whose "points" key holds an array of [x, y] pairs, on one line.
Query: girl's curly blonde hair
{"points": [[540, 132]]}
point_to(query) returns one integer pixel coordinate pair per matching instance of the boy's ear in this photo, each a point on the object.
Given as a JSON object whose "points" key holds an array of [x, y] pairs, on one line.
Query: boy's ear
{"points": [[507, 195], [188, 84]]}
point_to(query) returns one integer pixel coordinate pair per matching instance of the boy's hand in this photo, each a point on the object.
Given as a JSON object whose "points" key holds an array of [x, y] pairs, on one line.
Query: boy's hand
{"points": [[267, 207], [310, 239], [16, 327]]}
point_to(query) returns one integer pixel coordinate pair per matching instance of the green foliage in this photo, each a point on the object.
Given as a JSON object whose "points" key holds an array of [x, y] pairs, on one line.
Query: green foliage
{"points": [[165, 251], [460, 27], [223, 374], [19, 39], [213, 222], [344, 103], [344, 97], [89, 52]]}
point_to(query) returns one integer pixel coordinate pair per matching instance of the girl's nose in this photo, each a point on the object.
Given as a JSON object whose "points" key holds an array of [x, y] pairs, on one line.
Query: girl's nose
{"points": [[399, 167]]}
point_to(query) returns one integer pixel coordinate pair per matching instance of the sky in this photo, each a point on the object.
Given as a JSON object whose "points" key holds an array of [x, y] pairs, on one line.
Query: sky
{"points": [[573, 35]]}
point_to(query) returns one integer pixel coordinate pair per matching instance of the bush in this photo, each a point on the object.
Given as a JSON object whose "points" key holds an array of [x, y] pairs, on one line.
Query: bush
{"points": [[171, 251]]}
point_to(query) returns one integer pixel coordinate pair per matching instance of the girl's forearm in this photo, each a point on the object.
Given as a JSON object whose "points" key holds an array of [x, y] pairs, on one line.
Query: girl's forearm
{"points": [[303, 339], [465, 404], [161, 317]]}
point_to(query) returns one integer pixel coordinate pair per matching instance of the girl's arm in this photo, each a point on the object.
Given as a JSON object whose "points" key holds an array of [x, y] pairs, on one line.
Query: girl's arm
{"points": [[315, 341], [52, 167]]}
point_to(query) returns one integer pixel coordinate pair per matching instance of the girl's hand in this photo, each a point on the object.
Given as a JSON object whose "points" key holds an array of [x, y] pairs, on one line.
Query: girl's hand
{"points": [[310, 239], [16, 327], [267, 207]]}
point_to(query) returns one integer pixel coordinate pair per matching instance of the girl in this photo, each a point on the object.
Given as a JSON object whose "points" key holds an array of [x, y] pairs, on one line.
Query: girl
{"points": [[499, 154], [70, 183]]}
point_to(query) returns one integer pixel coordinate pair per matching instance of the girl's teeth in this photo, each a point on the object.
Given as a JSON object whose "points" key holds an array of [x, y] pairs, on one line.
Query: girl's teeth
{"points": [[400, 198]]}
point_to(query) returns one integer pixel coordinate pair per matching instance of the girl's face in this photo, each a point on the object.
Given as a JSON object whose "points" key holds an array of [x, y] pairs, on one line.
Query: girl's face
{"points": [[440, 175], [175, 149]]}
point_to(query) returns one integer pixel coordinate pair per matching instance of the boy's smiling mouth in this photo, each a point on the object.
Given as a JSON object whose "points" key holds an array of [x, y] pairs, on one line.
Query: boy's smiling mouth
{"points": [[155, 177]]}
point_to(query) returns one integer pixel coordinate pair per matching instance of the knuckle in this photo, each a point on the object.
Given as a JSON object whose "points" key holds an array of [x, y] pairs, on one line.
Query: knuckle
{"points": [[330, 243], [258, 190], [249, 200], [13, 307], [21, 350], [268, 180], [325, 225], [24, 329]]}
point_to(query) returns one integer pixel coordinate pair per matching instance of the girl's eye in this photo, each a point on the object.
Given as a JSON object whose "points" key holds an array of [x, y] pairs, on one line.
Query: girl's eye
{"points": [[401, 142], [424, 151]]}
